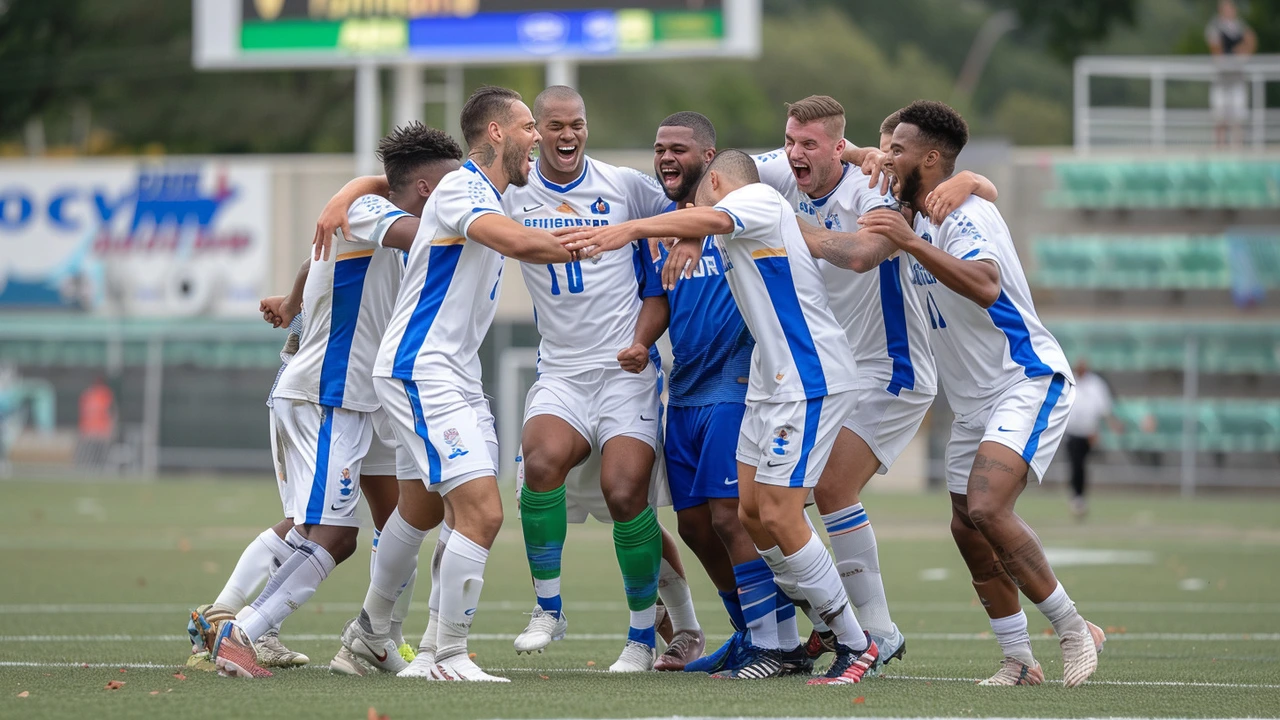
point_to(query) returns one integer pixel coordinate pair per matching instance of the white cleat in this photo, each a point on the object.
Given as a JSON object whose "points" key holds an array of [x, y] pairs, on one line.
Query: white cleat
{"points": [[273, 653], [346, 663], [635, 657], [380, 651], [1080, 654], [460, 667], [544, 629], [423, 667], [1014, 672]]}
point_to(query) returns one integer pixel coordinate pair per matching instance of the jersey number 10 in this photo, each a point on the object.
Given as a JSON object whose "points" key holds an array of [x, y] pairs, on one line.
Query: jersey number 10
{"points": [[573, 278]]}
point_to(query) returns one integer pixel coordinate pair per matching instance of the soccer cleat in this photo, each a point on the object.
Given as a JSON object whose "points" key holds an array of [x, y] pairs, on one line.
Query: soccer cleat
{"points": [[731, 654], [1015, 672], [891, 648], [543, 629], [423, 667], [796, 661], [820, 643], [201, 661], [684, 648], [346, 663], [635, 657], [1080, 654], [233, 653], [273, 653], [850, 665], [407, 652], [202, 624], [460, 667], [380, 651], [764, 663]]}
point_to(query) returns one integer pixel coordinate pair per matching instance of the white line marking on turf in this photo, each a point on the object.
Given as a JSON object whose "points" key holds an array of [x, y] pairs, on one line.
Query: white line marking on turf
{"points": [[567, 671]]}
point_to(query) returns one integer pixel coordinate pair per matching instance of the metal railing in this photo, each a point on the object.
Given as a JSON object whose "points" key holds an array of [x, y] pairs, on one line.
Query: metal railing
{"points": [[1159, 125]]}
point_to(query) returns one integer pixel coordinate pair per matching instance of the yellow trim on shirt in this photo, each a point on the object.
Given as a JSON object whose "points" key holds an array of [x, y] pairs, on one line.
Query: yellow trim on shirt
{"points": [[768, 252], [449, 241], [355, 254]]}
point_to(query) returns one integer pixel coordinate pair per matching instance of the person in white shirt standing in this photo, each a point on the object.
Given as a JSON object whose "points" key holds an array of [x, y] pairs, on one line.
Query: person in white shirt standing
{"points": [[1092, 406], [801, 388], [1007, 381]]}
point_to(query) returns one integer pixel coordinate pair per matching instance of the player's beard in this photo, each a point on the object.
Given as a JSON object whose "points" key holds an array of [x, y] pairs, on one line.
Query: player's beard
{"points": [[514, 164], [909, 186], [689, 179]]}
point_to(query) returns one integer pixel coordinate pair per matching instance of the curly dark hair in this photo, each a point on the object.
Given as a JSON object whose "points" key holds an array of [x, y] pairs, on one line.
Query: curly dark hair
{"points": [[940, 126], [406, 149]]}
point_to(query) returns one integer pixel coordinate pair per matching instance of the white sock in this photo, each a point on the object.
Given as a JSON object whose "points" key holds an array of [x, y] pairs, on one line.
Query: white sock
{"points": [[293, 538], [551, 588], [1061, 612], [853, 543], [786, 580], [1014, 640], [293, 585], [396, 559], [674, 591], [430, 638], [816, 577], [461, 579], [400, 610], [253, 568]]}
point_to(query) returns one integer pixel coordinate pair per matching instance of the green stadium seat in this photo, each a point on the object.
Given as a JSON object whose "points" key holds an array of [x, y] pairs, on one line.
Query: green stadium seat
{"points": [[1171, 183]]}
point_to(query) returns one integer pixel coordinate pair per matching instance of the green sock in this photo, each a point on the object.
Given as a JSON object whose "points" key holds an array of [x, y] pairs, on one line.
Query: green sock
{"points": [[542, 515], [638, 543]]}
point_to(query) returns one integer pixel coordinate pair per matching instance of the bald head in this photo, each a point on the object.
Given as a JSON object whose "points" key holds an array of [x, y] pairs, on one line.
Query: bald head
{"points": [[557, 95], [728, 171]]}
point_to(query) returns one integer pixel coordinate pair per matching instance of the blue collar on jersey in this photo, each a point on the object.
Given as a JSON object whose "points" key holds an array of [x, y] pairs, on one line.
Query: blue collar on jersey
{"points": [[586, 165], [844, 173], [469, 165]]}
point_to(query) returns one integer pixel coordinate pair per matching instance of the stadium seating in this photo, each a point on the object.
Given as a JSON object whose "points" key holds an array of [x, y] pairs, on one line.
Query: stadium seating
{"points": [[1167, 183], [1143, 345], [1141, 262], [1156, 425]]}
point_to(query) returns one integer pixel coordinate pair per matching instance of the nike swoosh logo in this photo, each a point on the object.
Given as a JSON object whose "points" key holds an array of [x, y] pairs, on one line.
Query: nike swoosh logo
{"points": [[1005, 429], [727, 481], [380, 658], [774, 464], [532, 208], [334, 508], [645, 419]]}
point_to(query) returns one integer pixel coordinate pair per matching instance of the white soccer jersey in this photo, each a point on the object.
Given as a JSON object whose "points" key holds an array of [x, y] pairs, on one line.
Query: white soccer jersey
{"points": [[981, 352], [348, 298], [883, 321], [586, 310], [450, 290], [801, 352]]}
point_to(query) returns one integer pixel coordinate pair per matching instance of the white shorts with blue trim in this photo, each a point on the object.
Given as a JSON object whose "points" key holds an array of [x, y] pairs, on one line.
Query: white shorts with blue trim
{"points": [[323, 451], [789, 443], [601, 404], [385, 455], [277, 464], [1029, 418], [448, 433], [887, 422]]}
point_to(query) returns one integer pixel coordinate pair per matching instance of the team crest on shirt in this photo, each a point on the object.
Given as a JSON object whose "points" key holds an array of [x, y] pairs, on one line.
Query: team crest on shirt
{"points": [[782, 438], [600, 207], [927, 238], [454, 440], [833, 223]]}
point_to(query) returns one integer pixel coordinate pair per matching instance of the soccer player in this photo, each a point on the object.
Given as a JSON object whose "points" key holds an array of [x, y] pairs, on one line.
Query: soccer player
{"points": [[427, 373], [711, 362], [1007, 381], [325, 399], [801, 387]]}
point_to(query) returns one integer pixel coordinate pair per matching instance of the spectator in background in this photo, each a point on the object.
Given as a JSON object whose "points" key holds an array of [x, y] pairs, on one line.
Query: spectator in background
{"points": [[97, 423], [1230, 41], [1092, 406]]}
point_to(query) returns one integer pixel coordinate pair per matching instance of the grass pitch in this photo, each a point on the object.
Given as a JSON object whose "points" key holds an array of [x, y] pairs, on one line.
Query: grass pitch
{"points": [[97, 578]]}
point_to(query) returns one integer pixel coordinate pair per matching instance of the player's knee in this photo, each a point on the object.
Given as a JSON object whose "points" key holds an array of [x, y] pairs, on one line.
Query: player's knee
{"points": [[339, 542], [626, 500], [726, 522], [544, 471], [775, 522], [984, 512]]}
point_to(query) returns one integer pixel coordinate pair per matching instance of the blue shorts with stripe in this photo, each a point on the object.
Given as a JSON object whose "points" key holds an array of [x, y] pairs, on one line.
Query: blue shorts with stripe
{"points": [[700, 445], [1029, 417]]}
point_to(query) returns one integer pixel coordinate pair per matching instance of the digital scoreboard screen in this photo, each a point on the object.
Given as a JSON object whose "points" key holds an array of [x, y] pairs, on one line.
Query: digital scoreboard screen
{"points": [[271, 32]]}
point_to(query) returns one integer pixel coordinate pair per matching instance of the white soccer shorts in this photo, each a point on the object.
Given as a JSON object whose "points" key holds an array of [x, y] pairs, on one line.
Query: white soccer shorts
{"points": [[1030, 418], [323, 448], [447, 432], [887, 422], [789, 443], [277, 464], [601, 404], [385, 455]]}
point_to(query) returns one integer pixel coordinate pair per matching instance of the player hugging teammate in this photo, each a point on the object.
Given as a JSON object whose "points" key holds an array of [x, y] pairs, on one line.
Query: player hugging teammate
{"points": [[815, 297]]}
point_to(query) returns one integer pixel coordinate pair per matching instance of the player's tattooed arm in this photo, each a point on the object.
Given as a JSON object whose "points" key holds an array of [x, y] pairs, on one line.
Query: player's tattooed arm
{"points": [[334, 215], [654, 315], [860, 252], [514, 240], [977, 280], [950, 195]]}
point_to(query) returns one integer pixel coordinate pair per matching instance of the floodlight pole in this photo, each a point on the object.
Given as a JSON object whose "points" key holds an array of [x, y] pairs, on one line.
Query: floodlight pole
{"points": [[562, 71], [368, 117]]}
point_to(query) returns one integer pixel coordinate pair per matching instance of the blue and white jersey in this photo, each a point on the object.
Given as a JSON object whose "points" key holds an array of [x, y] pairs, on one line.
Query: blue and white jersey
{"points": [[288, 351], [450, 290], [981, 352], [710, 344], [801, 352], [348, 298], [884, 322], [586, 310]]}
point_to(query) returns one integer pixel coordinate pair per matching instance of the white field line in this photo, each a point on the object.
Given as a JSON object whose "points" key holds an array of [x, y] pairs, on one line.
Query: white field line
{"points": [[568, 671], [931, 637], [1195, 608]]}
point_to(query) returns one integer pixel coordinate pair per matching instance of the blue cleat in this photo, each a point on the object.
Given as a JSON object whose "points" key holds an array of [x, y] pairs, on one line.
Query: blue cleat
{"points": [[733, 654]]}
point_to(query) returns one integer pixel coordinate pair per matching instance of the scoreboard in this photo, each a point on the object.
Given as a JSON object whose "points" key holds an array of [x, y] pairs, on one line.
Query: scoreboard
{"points": [[319, 33]]}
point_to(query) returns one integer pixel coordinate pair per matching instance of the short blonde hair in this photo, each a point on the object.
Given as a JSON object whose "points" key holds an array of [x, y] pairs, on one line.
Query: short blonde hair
{"points": [[822, 108]]}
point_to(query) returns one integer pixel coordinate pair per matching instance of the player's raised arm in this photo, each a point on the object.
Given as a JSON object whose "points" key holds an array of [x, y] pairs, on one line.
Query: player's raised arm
{"points": [[951, 194], [334, 215], [976, 279]]}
